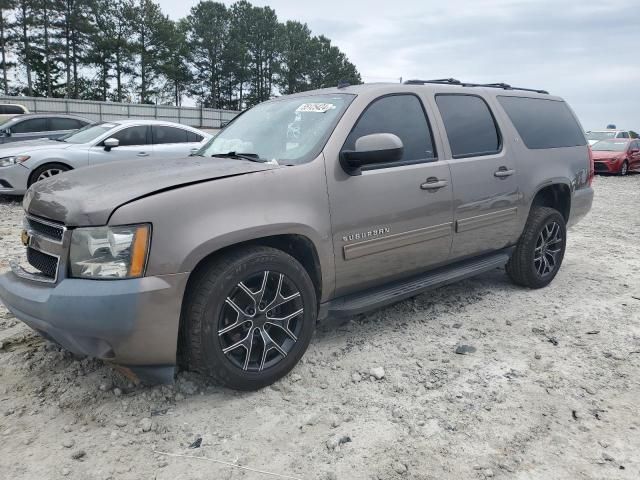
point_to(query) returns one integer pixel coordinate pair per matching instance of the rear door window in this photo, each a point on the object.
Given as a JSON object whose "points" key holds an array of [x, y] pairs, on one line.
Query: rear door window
{"points": [[164, 134], [11, 110], [32, 125], [543, 123], [471, 128], [61, 123], [402, 115]]}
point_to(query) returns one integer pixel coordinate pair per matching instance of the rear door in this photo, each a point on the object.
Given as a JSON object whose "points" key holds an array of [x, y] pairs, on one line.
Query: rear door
{"points": [[484, 173], [634, 155], [169, 141], [387, 223], [135, 143]]}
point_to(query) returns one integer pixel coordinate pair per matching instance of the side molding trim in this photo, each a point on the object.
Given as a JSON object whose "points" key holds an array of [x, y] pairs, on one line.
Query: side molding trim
{"points": [[480, 221], [398, 240]]}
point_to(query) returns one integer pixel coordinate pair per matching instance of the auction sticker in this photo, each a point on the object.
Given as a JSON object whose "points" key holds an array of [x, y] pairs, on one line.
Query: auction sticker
{"points": [[315, 107]]}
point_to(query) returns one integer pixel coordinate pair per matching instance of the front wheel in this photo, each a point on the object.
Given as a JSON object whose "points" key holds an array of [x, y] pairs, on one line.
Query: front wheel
{"points": [[540, 250], [248, 317], [47, 171], [624, 169]]}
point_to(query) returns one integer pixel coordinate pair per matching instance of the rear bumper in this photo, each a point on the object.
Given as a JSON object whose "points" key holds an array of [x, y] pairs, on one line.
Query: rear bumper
{"points": [[580, 205], [13, 180], [130, 322]]}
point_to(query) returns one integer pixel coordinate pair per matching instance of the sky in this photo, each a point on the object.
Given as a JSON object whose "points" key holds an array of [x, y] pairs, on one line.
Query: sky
{"points": [[586, 51]]}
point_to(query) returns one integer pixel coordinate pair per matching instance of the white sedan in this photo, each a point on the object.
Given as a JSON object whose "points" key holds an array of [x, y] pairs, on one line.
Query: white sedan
{"points": [[24, 163]]}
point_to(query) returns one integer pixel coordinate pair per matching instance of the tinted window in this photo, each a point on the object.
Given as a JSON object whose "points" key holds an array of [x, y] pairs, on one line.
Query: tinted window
{"points": [[11, 109], [30, 126], [132, 136], [401, 115], [65, 124], [194, 137], [169, 135], [543, 123], [470, 126], [623, 135]]}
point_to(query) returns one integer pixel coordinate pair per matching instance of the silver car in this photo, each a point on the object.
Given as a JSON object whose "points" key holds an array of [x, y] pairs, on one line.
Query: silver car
{"points": [[24, 163], [40, 125]]}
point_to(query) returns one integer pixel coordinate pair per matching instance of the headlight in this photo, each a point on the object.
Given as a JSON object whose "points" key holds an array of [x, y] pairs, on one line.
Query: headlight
{"points": [[8, 161], [110, 252]]}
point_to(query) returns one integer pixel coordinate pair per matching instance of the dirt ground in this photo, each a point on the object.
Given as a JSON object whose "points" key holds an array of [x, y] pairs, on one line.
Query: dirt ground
{"points": [[551, 391]]}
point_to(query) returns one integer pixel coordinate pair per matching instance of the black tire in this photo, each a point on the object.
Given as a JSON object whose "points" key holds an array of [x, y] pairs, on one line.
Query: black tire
{"points": [[523, 268], [47, 167], [206, 307], [624, 169]]}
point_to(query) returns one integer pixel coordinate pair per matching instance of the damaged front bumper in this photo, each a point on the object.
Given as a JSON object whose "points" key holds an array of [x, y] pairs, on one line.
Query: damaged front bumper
{"points": [[133, 323]]}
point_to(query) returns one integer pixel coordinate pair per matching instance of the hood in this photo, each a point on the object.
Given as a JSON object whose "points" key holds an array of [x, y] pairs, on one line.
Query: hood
{"points": [[88, 196], [603, 154], [28, 146]]}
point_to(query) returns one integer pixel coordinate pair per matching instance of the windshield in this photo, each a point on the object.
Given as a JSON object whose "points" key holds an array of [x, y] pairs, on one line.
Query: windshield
{"points": [[88, 133], [289, 131], [600, 135], [609, 146]]}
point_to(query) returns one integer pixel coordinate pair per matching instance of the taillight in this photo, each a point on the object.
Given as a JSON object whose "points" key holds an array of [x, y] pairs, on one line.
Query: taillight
{"points": [[592, 170]]}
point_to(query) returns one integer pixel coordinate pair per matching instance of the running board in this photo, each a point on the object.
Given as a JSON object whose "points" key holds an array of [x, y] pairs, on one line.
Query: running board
{"points": [[377, 297]]}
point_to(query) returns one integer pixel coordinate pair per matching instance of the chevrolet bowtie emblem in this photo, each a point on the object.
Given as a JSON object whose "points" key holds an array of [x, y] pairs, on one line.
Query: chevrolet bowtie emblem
{"points": [[25, 238]]}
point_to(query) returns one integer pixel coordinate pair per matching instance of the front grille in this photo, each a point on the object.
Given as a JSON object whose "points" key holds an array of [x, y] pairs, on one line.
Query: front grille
{"points": [[46, 264], [600, 167], [45, 228]]}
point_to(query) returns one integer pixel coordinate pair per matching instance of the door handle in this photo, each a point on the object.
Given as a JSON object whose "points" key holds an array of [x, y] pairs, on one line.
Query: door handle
{"points": [[503, 172], [143, 154], [433, 183]]}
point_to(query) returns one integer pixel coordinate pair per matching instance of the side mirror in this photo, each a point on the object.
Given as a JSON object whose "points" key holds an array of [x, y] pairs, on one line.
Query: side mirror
{"points": [[6, 132], [372, 149], [193, 151], [224, 123], [110, 143]]}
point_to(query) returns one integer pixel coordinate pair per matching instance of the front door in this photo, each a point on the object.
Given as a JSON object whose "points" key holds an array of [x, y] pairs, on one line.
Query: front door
{"points": [[485, 186], [135, 143], [394, 219]]}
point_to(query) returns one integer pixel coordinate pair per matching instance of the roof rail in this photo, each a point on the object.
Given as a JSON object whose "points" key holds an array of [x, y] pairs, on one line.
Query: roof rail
{"points": [[453, 81]]}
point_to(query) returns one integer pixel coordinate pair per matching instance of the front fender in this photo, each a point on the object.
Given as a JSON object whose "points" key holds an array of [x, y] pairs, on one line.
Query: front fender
{"points": [[194, 221]]}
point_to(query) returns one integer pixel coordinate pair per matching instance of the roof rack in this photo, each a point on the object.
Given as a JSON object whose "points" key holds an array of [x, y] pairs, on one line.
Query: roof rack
{"points": [[453, 81]]}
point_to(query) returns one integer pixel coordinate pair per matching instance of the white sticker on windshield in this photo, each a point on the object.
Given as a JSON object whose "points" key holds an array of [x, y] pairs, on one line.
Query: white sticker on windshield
{"points": [[315, 107]]}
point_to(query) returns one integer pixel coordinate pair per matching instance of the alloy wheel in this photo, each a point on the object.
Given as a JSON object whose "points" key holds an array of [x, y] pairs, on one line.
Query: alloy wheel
{"points": [[260, 321], [548, 248], [49, 173], [624, 169]]}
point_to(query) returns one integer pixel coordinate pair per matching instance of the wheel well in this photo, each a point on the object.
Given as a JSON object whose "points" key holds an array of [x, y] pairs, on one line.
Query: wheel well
{"points": [[557, 196], [33, 172], [298, 246]]}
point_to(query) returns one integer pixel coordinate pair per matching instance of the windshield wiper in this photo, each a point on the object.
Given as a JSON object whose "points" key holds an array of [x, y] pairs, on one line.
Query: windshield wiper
{"points": [[252, 157]]}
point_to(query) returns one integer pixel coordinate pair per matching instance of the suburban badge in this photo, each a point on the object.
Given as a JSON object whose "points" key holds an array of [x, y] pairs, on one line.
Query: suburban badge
{"points": [[376, 232]]}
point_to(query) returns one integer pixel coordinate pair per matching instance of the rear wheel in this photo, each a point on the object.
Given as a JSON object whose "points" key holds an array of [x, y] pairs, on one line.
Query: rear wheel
{"points": [[540, 250], [624, 169], [248, 317], [47, 171]]}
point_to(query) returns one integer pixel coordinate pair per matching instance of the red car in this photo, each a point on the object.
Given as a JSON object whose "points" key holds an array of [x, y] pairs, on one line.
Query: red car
{"points": [[618, 156]]}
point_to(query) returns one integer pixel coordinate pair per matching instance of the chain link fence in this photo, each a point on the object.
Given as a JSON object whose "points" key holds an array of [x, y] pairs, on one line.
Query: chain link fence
{"points": [[103, 111]]}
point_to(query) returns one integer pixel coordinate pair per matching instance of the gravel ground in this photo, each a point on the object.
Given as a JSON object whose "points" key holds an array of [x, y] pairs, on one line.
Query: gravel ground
{"points": [[549, 389]]}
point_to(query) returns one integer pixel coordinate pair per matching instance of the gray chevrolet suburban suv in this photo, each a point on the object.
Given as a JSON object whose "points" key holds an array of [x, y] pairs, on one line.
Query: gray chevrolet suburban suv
{"points": [[309, 206]]}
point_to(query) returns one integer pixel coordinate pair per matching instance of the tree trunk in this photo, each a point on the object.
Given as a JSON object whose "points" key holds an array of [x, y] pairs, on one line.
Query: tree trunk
{"points": [[4, 54], [67, 52], [118, 74], [27, 51], [47, 67]]}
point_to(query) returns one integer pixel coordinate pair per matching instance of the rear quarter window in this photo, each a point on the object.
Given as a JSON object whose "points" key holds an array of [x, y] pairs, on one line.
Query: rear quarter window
{"points": [[543, 123]]}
